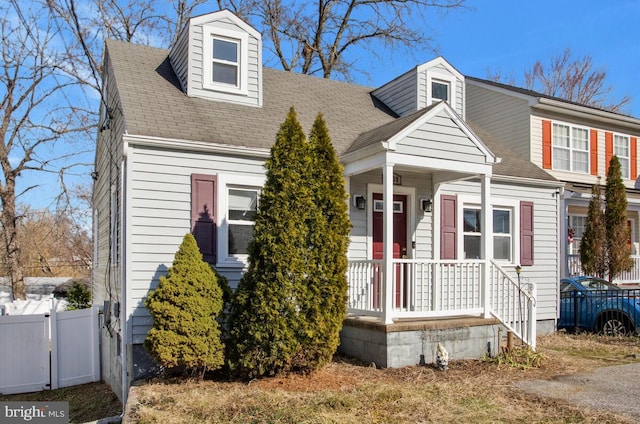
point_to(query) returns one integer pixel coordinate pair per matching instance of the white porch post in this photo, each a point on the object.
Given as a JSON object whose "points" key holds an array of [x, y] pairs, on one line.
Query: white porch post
{"points": [[487, 241], [387, 193]]}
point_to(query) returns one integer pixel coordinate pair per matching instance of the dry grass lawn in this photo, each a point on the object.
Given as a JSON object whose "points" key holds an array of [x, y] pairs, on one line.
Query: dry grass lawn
{"points": [[347, 392]]}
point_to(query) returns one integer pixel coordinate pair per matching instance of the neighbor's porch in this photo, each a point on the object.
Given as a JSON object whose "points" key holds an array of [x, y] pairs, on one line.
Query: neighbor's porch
{"points": [[574, 268]]}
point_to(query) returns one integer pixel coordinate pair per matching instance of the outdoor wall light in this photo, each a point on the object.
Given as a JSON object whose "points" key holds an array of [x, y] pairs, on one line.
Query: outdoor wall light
{"points": [[359, 201], [426, 204]]}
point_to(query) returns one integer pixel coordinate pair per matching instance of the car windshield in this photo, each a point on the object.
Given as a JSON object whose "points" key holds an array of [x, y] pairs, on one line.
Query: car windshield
{"points": [[597, 284]]}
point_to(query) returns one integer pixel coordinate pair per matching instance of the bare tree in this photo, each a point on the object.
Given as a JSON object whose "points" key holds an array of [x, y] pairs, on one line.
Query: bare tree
{"points": [[35, 119], [574, 79], [316, 37], [52, 243]]}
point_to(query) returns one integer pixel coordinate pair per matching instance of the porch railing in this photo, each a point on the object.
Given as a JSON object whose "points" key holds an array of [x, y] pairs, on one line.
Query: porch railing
{"points": [[440, 288], [574, 267]]}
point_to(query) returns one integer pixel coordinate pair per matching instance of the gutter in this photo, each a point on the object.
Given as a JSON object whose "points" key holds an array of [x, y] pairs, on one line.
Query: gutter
{"points": [[586, 112]]}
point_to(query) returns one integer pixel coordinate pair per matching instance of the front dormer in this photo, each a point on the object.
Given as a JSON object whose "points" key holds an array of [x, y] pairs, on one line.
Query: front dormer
{"points": [[218, 56], [422, 86]]}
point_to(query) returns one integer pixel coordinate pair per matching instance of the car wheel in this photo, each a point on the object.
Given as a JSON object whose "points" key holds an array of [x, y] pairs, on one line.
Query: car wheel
{"points": [[615, 326]]}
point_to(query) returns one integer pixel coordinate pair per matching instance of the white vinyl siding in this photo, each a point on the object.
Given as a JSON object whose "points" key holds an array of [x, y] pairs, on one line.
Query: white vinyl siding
{"points": [[544, 273], [199, 47], [412, 91], [440, 138], [401, 94], [160, 215]]}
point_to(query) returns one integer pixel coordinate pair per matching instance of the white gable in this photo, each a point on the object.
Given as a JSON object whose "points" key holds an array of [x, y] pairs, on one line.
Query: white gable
{"points": [[443, 136], [193, 59]]}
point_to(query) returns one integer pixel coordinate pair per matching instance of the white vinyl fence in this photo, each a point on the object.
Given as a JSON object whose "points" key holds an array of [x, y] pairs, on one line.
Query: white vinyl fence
{"points": [[48, 351]]}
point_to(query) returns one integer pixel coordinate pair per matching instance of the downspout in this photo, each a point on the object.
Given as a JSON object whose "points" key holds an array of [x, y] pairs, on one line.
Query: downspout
{"points": [[562, 267], [123, 276]]}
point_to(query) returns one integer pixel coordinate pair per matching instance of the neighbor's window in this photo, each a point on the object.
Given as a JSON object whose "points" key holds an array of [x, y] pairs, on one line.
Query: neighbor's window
{"points": [[242, 208], [570, 148], [621, 149], [578, 223], [440, 90]]}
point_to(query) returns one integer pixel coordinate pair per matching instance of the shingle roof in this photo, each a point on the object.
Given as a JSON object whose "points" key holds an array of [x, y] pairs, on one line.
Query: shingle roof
{"points": [[154, 105], [512, 163]]}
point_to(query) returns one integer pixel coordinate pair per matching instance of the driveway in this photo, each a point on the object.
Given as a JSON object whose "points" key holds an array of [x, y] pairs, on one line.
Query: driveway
{"points": [[615, 388]]}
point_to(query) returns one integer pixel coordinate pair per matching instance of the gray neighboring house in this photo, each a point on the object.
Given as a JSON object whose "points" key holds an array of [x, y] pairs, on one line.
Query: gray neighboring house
{"points": [[572, 142], [442, 211]]}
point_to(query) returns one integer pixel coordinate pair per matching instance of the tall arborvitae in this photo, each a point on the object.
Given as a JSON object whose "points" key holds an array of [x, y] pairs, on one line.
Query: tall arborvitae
{"points": [[593, 246], [615, 217], [265, 320], [329, 227], [184, 307]]}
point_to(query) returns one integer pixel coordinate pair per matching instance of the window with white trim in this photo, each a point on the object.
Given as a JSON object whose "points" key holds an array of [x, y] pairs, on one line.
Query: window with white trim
{"points": [[622, 150], [502, 233], [570, 148], [577, 225], [440, 90], [225, 60], [439, 87], [242, 206], [472, 233]]}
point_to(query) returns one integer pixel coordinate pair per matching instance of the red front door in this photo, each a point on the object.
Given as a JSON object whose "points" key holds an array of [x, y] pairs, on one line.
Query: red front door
{"points": [[399, 243]]}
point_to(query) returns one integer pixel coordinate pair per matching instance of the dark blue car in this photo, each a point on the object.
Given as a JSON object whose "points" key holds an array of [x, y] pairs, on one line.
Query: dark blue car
{"points": [[594, 304]]}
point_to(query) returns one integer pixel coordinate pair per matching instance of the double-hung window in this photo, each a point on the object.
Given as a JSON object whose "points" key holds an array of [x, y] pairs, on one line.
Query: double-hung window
{"points": [[570, 148], [622, 151], [502, 230], [472, 233], [502, 233], [225, 60], [242, 206]]}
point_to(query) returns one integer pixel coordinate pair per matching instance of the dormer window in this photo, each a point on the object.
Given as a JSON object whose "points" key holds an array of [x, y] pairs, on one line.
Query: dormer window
{"points": [[440, 87], [440, 90], [225, 61]]}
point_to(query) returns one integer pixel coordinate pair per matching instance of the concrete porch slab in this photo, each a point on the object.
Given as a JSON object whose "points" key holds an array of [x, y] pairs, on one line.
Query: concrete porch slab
{"points": [[414, 342]]}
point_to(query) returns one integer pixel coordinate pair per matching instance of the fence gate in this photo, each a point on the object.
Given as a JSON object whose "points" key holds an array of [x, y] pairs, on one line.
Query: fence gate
{"points": [[48, 351]]}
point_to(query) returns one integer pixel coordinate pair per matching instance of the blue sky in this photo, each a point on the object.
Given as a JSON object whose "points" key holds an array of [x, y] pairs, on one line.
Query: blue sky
{"points": [[510, 35], [504, 35]]}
